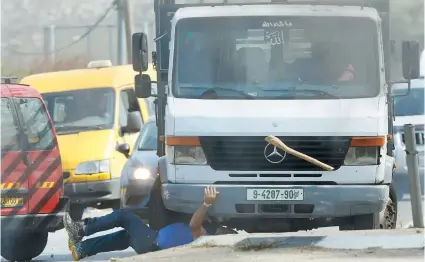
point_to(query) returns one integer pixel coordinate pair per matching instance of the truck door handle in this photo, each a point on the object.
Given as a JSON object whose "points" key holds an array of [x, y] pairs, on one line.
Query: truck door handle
{"points": [[27, 160]]}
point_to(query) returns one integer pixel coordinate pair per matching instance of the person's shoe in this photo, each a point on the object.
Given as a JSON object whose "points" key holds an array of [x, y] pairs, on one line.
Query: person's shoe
{"points": [[77, 252], [74, 229]]}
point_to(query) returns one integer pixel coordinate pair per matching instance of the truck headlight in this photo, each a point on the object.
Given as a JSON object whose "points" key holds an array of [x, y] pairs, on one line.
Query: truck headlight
{"points": [[93, 167], [362, 156], [187, 155]]}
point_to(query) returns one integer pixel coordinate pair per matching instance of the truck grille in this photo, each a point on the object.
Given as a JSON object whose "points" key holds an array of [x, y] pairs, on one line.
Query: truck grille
{"points": [[247, 153], [419, 137]]}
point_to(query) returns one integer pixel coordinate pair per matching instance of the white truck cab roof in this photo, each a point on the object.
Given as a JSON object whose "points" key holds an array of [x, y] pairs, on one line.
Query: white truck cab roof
{"points": [[275, 10]]}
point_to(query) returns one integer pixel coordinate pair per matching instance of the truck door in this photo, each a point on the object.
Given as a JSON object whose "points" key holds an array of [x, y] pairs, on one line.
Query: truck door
{"points": [[14, 178]]}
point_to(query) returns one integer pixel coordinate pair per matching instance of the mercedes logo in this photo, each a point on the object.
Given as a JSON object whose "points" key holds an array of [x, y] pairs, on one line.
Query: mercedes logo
{"points": [[273, 155]]}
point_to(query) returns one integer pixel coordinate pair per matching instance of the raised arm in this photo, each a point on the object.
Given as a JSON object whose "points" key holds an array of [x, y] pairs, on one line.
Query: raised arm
{"points": [[210, 195]]}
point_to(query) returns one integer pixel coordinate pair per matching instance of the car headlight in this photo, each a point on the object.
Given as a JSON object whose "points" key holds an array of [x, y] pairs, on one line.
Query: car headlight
{"points": [[186, 155], [93, 167], [362, 156], [142, 173]]}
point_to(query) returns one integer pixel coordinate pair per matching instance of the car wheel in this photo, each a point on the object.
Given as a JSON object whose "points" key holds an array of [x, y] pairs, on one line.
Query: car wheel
{"points": [[19, 247], [158, 215]]}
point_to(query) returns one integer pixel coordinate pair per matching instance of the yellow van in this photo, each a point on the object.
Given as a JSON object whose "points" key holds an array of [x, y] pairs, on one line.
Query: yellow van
{"points": [[94, 110]]}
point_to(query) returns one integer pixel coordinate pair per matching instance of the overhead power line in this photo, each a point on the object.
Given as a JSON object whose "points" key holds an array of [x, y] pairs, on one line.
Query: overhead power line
{"points": [[83, 36]]}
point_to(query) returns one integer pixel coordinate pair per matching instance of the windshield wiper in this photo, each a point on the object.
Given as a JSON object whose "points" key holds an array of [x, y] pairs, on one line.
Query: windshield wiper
{"points": [[245, 95], [320, 93], [69, 128]]}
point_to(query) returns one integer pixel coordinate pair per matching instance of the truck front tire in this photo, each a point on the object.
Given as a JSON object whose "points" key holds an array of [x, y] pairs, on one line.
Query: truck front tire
{"points": [[22, 246]]}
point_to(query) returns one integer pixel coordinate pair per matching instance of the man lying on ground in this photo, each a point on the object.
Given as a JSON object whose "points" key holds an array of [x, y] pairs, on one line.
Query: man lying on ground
{"points": [[135, 233]]}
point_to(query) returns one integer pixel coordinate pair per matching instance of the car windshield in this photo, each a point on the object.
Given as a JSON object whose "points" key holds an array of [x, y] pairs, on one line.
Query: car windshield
{"points": [[148, 137], [80, 110], [410, 105], [276, 57]]}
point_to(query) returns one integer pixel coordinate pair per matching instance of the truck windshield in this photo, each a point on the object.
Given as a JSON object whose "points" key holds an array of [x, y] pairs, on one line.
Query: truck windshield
{"points": [[81, 110], [276, 57], [410, 105]]}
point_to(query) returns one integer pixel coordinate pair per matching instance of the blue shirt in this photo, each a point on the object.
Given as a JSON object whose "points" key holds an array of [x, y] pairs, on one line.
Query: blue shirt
{"points": [[174, 235]]}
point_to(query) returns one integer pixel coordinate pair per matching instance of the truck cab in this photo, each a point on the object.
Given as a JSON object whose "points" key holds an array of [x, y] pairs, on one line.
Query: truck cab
{"points": [[312, 73]]}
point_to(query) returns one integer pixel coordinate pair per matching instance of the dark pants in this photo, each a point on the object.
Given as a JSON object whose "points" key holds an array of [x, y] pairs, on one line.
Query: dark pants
{"points": [[135, 234]]}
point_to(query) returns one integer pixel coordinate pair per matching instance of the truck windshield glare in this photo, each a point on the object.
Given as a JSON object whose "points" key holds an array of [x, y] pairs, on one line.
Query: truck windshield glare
{"points": [[276, 57]]}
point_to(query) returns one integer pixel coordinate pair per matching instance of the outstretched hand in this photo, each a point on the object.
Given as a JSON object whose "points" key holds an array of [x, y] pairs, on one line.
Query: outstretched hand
{"points": [[210, 195]]}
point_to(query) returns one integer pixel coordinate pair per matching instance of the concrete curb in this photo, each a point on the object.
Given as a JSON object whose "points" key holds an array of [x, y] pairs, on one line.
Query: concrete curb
{"points": [[381, 239]]}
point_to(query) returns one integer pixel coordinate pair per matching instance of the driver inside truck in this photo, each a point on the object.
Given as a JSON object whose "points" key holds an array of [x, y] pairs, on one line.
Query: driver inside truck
{"points": [[134, 232], [328, 64]]}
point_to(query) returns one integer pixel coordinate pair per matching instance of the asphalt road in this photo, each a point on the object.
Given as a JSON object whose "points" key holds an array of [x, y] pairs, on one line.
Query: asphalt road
{"points": [[57, 249]]}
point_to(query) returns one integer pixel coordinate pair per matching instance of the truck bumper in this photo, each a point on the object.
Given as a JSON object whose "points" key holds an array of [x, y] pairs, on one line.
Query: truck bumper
{"points": [[93, 192], [36, 222], [319, 201]]}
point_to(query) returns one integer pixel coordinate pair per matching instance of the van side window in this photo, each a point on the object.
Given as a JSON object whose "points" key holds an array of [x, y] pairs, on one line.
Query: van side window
{"points": [[37, 124], [9, 127], [128, 103]]}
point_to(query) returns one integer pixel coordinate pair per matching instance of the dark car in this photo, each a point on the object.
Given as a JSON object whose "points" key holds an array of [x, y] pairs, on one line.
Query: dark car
{"points": [[140, 170]]}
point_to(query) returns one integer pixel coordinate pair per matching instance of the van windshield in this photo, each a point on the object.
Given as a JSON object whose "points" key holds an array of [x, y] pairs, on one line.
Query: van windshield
{"points": [[81, 110], [276, 57]]}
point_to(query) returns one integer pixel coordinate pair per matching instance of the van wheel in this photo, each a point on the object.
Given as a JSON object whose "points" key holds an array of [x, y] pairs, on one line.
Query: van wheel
{"points": [[76, 212], [158, 215], [22, 246]]}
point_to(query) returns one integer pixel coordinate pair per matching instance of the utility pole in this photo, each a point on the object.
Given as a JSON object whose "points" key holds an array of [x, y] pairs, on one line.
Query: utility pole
{"points": [[414, 176], [128, 21], [49, 43], [121, 45]]}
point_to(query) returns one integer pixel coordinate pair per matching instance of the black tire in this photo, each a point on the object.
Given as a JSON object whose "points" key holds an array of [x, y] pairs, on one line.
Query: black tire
{"points": [[76, 212], [389, 220], [158, 215], [23, 246]]}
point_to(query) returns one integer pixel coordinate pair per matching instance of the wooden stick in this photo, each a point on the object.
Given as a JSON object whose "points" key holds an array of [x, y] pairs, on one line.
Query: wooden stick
{"points": [[278, 143]]}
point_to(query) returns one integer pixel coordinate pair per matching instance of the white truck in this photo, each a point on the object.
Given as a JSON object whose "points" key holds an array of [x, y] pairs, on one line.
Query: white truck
{"points": [[310, 72]]}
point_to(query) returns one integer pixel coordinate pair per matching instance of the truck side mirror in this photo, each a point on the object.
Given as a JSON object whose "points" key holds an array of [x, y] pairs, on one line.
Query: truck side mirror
{"points": [[143, 86], [139, 51], [410, 59]]}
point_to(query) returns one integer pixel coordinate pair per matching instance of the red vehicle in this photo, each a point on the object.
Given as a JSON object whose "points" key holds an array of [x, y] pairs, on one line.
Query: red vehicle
{"points": [[32, 201]]}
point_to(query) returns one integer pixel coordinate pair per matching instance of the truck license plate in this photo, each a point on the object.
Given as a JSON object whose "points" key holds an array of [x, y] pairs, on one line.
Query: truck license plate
{"points": [[12, 202], [265, 194]]}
